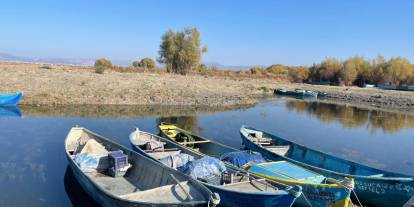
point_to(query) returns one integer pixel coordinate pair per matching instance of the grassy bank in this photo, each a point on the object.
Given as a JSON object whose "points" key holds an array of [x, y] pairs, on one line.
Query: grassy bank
{"points": [[63, 84]]}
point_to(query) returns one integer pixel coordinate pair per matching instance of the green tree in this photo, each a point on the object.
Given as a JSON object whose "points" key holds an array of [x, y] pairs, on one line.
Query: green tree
{"points": [[181, 51]]}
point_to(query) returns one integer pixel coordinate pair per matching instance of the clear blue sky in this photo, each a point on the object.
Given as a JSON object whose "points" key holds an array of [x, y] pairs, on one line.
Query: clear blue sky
{"points": [[236, 32]]}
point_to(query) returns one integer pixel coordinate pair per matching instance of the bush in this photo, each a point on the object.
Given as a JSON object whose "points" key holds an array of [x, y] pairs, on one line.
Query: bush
{"points": [[100, 69], [144, 63], [103, 62], [101, 65], [46, 67]]}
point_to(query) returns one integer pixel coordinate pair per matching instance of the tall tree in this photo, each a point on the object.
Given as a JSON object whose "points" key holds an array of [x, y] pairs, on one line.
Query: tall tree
{"points": [[181, 51]]}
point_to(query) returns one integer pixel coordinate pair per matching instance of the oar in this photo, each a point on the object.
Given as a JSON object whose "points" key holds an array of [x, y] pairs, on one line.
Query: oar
{"points": [[182, 187]]}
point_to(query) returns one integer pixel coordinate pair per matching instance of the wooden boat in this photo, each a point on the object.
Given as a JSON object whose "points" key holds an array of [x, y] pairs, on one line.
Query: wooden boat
{"points": [[373, 186], [146, 183], [10, 99], [237, 188], [10, 111], [298, 93], [318, 190]]}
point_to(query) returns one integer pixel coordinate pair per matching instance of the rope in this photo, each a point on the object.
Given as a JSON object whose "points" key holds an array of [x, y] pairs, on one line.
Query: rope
{"points": [[306, 199], [359, 202]]}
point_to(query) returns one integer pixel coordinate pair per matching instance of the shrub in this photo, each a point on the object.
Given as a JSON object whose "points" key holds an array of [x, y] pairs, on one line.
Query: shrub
{"points": [[103, 62], [100, 69]]}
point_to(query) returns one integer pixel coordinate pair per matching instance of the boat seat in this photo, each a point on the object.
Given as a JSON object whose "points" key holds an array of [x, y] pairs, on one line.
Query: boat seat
{"points": [[166, 194], [376, 176], [164, 154], [195, 142], [280, 150]]}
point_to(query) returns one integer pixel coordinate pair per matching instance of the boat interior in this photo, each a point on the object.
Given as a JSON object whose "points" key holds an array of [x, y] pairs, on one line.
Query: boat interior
{"points": [[234, 179], [303, 154], [145, 181]]}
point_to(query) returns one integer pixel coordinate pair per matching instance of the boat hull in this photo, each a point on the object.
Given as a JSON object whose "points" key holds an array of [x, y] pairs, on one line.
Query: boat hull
{"points": [[370, 190], [236, 199], [10, 99]]}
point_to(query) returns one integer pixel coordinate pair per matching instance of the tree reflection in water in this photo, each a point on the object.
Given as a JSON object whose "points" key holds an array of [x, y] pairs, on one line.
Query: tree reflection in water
{"points": [[352, 117], [188, 123]]}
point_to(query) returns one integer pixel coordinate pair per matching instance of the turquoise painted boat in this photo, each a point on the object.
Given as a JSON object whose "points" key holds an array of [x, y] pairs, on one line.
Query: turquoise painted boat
{"points": [[237, 188], [321, 192], [373, 186], [10, 99], [298, 93]]}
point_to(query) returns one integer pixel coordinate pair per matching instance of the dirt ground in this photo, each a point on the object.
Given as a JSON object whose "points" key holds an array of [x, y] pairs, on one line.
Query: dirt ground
{"points": [[68, 85]]}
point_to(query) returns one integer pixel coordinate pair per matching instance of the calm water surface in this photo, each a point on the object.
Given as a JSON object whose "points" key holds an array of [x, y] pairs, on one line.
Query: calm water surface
{"points": [[33, 167]]}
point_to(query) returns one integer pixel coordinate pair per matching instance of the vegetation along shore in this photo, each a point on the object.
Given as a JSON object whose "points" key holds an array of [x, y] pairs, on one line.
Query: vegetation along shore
{"points": [[68, 85], [184, 81]]}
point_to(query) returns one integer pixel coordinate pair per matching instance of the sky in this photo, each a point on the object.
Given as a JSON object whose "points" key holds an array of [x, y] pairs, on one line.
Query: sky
{"points": [[239, 32]]}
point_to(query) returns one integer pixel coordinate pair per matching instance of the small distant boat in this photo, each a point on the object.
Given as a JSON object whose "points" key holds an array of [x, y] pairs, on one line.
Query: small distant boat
{"points": [[10, 111], [146, 183], [298, 93], [237, 187], [10, 99], [318, 190], [373, 186]]}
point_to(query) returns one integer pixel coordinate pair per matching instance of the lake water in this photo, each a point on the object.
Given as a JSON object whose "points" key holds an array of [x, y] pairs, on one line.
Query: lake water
{"points": [[33, 167]]}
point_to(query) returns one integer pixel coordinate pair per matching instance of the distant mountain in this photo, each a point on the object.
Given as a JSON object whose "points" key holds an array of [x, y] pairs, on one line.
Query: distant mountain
{"points": [[69, 61], [90, 61], [231, 67]]}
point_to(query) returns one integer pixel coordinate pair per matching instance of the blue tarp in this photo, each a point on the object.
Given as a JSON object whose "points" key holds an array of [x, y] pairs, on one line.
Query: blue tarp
{"points": [[241, 158], [204, 168]]}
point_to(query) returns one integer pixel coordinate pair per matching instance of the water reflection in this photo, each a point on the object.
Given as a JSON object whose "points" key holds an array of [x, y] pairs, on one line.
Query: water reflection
{"points": [[352, 117], [188, 123], [121, 111], [10, 111], [77, 196]]}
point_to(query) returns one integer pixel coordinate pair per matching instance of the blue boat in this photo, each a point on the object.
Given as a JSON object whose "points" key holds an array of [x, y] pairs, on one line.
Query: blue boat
{"points": [[236, 189], [10, 111], [317, 190], [372, 186], [10, 99]]}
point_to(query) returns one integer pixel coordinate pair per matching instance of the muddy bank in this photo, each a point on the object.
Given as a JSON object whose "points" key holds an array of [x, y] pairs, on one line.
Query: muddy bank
{"points": [[74, 85]]}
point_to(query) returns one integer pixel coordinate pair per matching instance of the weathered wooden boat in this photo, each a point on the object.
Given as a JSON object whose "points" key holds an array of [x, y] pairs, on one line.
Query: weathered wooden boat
{"points": [[237, 187], [10, 111], [317, 189], [297, 93], [146, 183], [373, 186], [10, 99]]}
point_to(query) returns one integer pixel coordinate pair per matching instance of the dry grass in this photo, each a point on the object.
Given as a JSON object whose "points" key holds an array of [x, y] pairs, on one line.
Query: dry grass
{"points": [[63, 84]]}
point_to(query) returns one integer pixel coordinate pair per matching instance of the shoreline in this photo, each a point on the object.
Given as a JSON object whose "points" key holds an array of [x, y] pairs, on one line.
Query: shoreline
{"points": [[80, 85]]}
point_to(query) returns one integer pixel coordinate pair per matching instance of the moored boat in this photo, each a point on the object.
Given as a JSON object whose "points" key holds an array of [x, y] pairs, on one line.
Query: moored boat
{"points": [[10, 111], [10, 99], [372, 186], [318, 190], [145, 183], [297, 93], [235, 186]]}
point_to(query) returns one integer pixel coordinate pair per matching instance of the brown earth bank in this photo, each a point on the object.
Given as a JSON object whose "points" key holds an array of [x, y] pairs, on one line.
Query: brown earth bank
{"points": [[72, 85]]}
